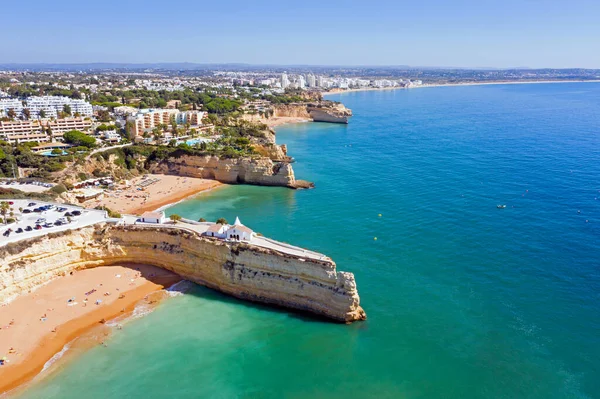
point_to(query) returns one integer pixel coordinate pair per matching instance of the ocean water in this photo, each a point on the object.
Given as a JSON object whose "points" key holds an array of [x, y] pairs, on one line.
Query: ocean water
{"points": [[464, 300]]}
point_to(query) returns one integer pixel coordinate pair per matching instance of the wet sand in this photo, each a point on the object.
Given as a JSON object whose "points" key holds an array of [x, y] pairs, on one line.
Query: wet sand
{"points": [[162, 190], [37, 325]]}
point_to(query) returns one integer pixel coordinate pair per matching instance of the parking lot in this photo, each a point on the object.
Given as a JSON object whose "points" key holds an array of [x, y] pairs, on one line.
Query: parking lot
{"points": [[29, 187], [35, 218]]}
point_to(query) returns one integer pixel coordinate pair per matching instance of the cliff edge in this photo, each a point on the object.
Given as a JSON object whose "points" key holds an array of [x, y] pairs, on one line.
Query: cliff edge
{"points": [[242, 270]]}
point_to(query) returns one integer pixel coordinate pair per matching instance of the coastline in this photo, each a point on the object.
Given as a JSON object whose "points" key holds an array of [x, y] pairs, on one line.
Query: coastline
{"points": [[163, 191], [33, 341], [427, 85], [169, 200]]}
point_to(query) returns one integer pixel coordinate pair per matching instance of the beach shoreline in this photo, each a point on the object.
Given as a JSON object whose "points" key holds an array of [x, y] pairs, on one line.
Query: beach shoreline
{"points": [[162, 192], [39, 324], [427, 85]]}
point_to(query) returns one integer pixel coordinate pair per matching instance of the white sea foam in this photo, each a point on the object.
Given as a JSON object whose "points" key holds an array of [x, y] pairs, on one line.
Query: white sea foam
{"points": [[56, 357], [180, 288]]}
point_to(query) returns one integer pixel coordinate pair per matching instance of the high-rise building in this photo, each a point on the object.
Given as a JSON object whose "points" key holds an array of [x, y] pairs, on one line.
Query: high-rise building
{"points": [[285, 82], [311, 80], [320, 81], [301, 82]]}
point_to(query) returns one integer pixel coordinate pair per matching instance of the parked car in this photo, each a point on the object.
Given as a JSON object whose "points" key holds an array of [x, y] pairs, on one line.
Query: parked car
{"points": [[26, 210], [61, 209], [19, 230], [6, 233], [38, 227], [32, 204], [76, 213], [49, 224], [58, 223], [28, 228], [40, 221], [68, 214], [37, 210]]}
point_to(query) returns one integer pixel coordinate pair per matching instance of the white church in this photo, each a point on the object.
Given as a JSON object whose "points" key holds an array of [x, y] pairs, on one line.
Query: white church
{"points": [[235, 232]]}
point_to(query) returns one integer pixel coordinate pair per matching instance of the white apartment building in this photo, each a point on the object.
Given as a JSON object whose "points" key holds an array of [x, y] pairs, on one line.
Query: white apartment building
{"points": [[311, 80], [147, 119], [10, 103], [53, 105]]}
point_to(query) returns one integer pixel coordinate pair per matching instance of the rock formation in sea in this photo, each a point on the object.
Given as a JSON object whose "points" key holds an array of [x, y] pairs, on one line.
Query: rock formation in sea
{"points": [[238, 269], [260, 171], [322, 111]]}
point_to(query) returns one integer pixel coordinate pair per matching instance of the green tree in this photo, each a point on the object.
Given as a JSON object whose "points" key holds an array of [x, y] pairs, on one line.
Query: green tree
{"points": [[11, 113], [67, 109], [26, 113], [42, 113], [175, 217], [202, 220], [78, 138], [222, 221]]}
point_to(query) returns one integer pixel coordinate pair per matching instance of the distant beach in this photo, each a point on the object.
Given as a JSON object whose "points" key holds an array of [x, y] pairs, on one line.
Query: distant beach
{"points": [[329, 93]]}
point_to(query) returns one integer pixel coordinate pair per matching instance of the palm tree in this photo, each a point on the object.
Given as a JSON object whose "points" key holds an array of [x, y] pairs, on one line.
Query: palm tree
{"points": [[4, 207]]}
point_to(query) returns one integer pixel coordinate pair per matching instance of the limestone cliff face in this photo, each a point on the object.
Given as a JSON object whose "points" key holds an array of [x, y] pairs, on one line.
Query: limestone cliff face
{"points": [[259, 171], [322, 111], [329, 112], [290, 110], [238, 269]]}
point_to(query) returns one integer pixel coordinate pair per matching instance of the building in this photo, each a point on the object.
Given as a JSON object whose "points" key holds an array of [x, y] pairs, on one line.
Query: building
{"points": [[53, 105], [147, 119], [235, 232], [216, 230], [111, 136], [311, 80], [61, 126], [285, 82], [7, 104], [153, 217], [50, 146], [301, 82], [238, 232], [22, 132]]}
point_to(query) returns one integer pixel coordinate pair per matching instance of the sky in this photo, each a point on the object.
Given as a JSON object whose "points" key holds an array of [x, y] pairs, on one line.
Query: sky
{"points": [[457, 33]]}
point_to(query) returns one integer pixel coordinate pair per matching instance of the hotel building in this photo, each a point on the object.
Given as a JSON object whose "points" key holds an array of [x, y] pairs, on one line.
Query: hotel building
{"points": [[53, 105], [147, 119], [22, 132]]}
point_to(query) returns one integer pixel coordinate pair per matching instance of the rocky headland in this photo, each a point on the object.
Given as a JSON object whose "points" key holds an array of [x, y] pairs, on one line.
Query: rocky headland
{"points": [[242, 270]]}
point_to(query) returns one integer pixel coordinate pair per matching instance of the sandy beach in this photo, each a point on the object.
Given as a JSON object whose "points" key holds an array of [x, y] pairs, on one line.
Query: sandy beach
{"points": [[37, 325], [150, 192]]}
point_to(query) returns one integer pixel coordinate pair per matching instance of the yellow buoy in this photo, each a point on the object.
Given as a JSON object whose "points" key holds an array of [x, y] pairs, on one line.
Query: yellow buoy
{"points": [[375, 238], [380, 215]]}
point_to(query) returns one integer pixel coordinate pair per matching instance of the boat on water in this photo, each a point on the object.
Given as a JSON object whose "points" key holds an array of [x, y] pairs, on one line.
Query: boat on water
{"points": [[500, 206]]}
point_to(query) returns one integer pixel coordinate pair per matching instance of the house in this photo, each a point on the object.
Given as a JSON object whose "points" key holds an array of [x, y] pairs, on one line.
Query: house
{"points": [[153, 217], [216, 230], [239, 232]]}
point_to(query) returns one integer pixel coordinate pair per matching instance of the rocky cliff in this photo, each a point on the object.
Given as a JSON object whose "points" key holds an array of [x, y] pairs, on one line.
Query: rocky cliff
{"points": [[328, 111], [238, 269], [322, 111], [259, 171], [290, 110]]}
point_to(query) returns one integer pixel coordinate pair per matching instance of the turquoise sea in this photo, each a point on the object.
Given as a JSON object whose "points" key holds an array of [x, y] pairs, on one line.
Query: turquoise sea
{"points": [[464, 300]]}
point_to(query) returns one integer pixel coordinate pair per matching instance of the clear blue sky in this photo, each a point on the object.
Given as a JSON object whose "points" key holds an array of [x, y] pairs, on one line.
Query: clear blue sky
{"points": [[464, 33]]}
